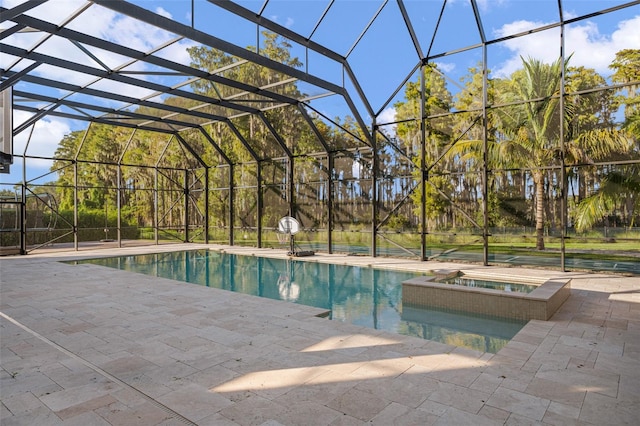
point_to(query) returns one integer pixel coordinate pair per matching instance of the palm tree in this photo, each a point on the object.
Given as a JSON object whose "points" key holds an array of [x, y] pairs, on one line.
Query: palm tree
{"points": [[525, 131], [619, 185], [531, 131]]}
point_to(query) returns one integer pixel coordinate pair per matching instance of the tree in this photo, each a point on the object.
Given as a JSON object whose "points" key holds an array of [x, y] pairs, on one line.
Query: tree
{"points": [[438, 99], [627, 71], [532, 130], [524, 133], [292, 133], [467, 153], [620, 186], [615, 188]]}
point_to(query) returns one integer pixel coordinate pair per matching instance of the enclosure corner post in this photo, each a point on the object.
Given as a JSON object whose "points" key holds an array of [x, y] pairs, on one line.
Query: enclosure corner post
{"points": [[291, 187], [23, 218], [331, 165], [156, 205], [485, 160], [206, 205], [259, 206], [186, 205], [231, 203], [75, 204], [374, 190], [424, 176], [119, 205], [563, 171]]}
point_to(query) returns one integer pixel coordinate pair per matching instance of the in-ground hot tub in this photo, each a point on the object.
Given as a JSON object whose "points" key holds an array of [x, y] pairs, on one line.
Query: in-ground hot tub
{"points": [[491, 294]]}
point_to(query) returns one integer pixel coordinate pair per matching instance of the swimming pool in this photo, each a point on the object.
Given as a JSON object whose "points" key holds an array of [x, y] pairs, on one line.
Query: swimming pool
{"points": [[359, 295]]}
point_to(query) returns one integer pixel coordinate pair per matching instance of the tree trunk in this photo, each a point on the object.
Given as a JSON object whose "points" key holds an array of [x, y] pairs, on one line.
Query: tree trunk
{"points": [[538, 179]]}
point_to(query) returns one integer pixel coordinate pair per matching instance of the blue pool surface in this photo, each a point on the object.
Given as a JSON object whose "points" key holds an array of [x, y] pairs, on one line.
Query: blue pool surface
{"points": [[364, 296]]}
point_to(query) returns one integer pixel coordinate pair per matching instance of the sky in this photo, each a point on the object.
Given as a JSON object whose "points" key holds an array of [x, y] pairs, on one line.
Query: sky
{"points": [[378, 50]]}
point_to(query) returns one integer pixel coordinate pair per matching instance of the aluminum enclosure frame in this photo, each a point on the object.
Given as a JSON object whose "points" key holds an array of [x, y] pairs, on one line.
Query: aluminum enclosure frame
{"points": [[177, 120]]}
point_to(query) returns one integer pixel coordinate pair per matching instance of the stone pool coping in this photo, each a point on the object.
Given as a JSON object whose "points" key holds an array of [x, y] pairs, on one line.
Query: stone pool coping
{"points": [[540, 304]]}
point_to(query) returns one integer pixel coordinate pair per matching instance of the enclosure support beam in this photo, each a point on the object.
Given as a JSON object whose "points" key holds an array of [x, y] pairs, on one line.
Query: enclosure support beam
{"points": [[75, 187], [156, 202], [291, 187], [485, 160], [374, 190], [563, 170], [119, 185], [119, 205], [206, 205], [231, 203], [259, 201], [186, 205], [75, 202], [330, 166], [423, 167], [330, 189], [220, 152], [23, 209]]}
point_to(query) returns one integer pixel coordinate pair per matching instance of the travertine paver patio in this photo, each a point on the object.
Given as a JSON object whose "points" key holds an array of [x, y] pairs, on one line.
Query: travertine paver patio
{"points": [[88, 345]]}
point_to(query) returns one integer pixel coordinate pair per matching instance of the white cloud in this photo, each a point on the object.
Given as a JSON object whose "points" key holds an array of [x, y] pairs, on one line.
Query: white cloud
{"points": [[485, 5], [111, 26], [388, 115], [43, 141], [446, 67], [589, 47], [48, 132], [288, 23], [51, 11], [101, 23], [163, 12], [177, 52], [104, 24]]}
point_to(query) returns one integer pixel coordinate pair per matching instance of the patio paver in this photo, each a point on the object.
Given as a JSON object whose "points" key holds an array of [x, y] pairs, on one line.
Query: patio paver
{"points": [[91, 345]]}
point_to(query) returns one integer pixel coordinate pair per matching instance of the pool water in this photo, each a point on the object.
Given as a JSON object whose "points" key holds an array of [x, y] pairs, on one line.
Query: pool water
{"points": [[494, 285], [364, 296]]}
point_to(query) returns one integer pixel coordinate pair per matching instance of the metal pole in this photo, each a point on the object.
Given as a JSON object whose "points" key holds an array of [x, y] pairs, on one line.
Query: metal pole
{"points": [[23, 208], [292, 201], [231, 203], [186, 205], [119, 185], [206, 205], [563, 171], [75, 204], [424, 176], [331, 165], [259, 206], [156, 202], [291, 192], [75, 188], [374, 190], [23, 195], [485, 160], [119, 205]]}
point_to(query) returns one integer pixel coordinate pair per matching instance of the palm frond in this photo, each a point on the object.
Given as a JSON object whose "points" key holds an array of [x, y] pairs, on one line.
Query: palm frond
{"points": [[616, 186], [594, 208]]}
